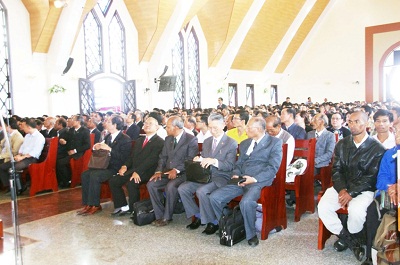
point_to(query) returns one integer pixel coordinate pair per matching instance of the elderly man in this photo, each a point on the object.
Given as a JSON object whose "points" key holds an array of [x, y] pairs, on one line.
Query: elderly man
{"points": [[138, 168], [355, 166], [273, 128], [259, 160], [325, 141], [219, 153], [170, 172], [49, 131]]}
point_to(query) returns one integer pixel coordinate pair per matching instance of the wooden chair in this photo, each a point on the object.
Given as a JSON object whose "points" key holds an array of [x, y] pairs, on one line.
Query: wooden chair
{"points": [[272, 199], [43, 174], [81, 164], [303, 185], [323, 233]]}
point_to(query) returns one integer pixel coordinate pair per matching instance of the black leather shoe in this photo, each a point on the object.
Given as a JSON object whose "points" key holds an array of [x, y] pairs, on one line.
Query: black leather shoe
{"points": [[253, 241], [195, 224], [211, 229], [340, 245], [24, 188], [359, 252], [368, 261]]}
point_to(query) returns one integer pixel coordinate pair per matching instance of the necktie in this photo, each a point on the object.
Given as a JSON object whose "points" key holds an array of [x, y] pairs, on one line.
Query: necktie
{"points": [[214, 145], [316, 135], [255, 145], [175, 142], [145, 142]]}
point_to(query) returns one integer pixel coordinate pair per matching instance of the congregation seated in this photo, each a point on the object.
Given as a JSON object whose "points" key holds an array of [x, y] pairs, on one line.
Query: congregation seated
{"points": [[79, 142], [131, 129], [137, 169], [202, 127], [386, 182], [219, 155], [287, 117], [337, 126], [119, 145], [325, 141], [259, 160], [91, 125], [48, 130], [383, 121], [28, 153], [239, 120], [353, 185]]}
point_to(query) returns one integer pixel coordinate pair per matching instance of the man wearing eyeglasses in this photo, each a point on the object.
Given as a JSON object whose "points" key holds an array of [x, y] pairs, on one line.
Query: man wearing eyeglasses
{"points": [[239, 120]]}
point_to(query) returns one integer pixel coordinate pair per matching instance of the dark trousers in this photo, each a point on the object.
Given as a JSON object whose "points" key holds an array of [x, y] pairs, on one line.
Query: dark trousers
{"points": [[21, 165], [63, 168], [91, 185], [372, 223], [116, 182]]}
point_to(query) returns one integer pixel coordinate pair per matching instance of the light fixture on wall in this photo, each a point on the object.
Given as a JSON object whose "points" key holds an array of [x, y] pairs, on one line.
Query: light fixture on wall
{"points": [[60, 3]]}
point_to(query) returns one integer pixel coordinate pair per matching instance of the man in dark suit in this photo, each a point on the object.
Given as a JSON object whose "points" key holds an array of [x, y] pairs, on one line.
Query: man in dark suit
{"points": [[219, 153], [221, 104], [49, 131], [62, 133], [325, 141], [138, 168], [259, 160], [91, 125], [132, 130], [139, 119], [287, 117], [119, 146], [79, 142], [170, 173]]}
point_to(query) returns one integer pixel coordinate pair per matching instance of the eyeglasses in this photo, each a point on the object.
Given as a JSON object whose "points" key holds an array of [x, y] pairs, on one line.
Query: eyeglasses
{"points": [[236, 118]]}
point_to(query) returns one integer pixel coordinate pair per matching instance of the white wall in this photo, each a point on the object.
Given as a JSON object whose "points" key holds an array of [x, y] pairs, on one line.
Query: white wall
{"points": [[334, 58]]}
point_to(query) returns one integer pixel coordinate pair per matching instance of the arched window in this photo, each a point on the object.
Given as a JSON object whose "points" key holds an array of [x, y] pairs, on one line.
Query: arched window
{"points": [[391, 75], [186, 67], [5, 80], [105, 86]]}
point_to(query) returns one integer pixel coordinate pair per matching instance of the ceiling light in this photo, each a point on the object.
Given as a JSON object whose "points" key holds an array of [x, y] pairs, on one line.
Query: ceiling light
{"points": [[60, 3]]}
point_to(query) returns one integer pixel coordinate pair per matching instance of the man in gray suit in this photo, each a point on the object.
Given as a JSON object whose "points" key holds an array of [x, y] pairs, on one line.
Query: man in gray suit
{"points": [[170, 173], [325, 141], [259, 160], [219, 153]]}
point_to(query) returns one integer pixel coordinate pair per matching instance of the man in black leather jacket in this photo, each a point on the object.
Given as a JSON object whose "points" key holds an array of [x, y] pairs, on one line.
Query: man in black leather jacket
{"points": [[355, 166]]}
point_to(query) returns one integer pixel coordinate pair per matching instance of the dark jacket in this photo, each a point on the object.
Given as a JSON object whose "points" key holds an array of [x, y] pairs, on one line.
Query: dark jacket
{"points": [[120, 150], [355, 169], [144, 160]]}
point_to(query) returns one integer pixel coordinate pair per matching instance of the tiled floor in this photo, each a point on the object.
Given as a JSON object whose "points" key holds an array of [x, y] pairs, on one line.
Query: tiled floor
{"points": [[52, 233]]}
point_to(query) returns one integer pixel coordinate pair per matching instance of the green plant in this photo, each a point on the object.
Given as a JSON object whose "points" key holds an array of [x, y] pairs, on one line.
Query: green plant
{"points": [[56, 89], [220, 90]]}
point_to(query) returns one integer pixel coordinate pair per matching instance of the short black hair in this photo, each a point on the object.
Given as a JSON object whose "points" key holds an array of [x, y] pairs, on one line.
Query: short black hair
{"points": [[156, 116], [383, 112], [118, 121]]}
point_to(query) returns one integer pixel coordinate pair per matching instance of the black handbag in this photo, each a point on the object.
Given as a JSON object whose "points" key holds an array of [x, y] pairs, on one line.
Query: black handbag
{"points": [[99, 159], [196, 173], [231, 227], [143, 213]]}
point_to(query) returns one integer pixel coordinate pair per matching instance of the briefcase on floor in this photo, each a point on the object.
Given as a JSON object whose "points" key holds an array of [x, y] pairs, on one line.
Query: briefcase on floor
{"points": [[143, 213], [231, 227]]}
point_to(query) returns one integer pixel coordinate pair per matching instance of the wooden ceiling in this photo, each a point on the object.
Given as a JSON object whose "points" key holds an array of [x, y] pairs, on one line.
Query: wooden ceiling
{"points": [[220, 21]]}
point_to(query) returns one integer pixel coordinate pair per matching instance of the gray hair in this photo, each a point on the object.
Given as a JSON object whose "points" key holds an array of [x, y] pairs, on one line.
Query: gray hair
{"points": [[177, 121], [325, 119], [216, 117], [259, 122]]}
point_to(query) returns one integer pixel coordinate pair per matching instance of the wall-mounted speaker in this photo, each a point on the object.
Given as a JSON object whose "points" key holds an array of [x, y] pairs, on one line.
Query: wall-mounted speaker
{"points": [[69, 64]]}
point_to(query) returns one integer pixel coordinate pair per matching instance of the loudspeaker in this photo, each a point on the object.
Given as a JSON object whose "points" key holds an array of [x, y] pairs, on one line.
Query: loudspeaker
{"points": [[69, 64]]}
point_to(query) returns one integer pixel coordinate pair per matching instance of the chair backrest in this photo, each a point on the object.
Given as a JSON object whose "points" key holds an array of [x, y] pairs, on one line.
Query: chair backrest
{"points": [[305, 149], [92, 135], [45, 149], [281, 174], [51, 156]]}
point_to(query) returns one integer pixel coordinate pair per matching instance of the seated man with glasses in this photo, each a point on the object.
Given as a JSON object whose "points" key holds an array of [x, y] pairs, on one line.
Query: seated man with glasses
{"points": [[240, 119]]}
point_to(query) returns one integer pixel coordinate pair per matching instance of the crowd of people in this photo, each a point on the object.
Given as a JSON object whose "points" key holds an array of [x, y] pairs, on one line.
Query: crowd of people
{"points": [[361, 138]]}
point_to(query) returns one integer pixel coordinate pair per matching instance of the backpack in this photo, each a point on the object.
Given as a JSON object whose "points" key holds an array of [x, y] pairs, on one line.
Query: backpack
{"points": [[387, 241], [231, 227], [143, 212]]}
